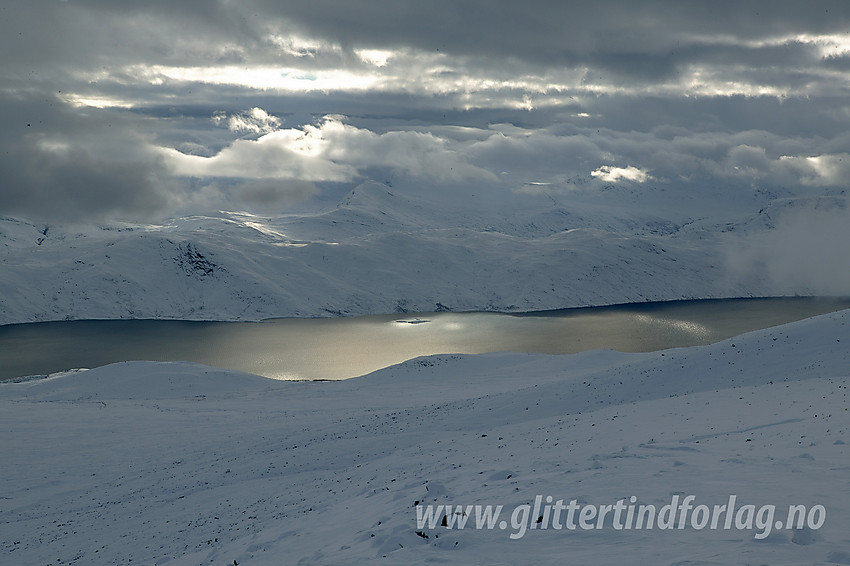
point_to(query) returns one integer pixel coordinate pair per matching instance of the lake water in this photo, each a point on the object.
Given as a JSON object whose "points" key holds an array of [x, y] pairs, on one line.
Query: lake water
{"points": [[339, 348]]}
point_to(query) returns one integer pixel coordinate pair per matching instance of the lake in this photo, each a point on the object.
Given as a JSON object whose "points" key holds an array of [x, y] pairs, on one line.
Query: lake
{"points": [[339, 348]]}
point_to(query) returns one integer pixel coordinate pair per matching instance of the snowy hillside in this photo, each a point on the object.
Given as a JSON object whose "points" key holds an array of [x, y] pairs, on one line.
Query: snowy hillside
{"points": [[170, 463], [380, 249]]}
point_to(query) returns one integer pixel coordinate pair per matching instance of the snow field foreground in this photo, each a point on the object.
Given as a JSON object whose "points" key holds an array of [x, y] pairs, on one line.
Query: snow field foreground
{"points": [[175, 463]]}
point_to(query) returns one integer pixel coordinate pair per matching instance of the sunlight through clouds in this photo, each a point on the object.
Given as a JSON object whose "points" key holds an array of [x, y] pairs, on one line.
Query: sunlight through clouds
{"points": [[328, 151], [376, 57], [256, 120], [819, 170], [611, 174], [260, 78]]}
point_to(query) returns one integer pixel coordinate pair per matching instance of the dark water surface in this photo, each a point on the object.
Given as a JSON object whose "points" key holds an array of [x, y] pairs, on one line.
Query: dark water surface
{"points": [[338, 348]]}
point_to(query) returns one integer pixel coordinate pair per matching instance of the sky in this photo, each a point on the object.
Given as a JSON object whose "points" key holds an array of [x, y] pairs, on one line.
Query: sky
{"points": [[137, 111]]}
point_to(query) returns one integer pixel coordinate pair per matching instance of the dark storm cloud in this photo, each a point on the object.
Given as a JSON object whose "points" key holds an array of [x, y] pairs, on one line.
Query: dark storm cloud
{"points": [[61, 165], [839, 63], [49, 36], [651, 38], [636, 38]]}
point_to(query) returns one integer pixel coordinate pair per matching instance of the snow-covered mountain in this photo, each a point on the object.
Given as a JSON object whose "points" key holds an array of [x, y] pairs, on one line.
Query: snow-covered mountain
{"points": [[390, 249]]}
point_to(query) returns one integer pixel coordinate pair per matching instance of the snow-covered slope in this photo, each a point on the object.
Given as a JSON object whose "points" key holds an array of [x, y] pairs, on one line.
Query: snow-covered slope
{"points": [[168, 463], [385, 249]]}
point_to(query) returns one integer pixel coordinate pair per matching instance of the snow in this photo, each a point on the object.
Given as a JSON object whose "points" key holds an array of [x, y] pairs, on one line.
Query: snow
{"points": [[177, 463], [381, 249]]}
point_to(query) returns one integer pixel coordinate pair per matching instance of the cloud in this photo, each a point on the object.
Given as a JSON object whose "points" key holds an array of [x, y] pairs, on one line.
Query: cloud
{"points": [[675, 157], [819, 170], [608, 91], [805, 253], [284, 154], [516, 55], [328, 151], [612, 34], [275, 193], [60, 165], [254, 121], [266, 196], [611, 174]]}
